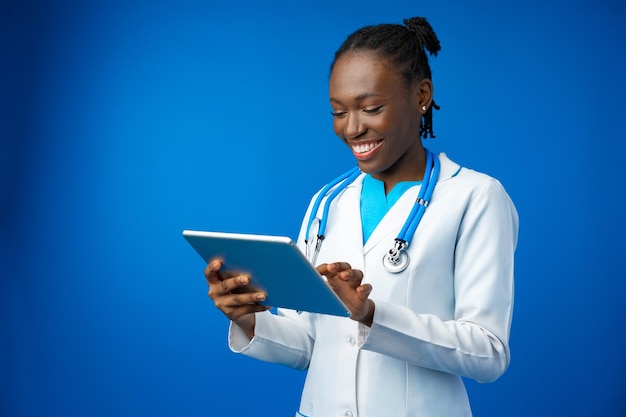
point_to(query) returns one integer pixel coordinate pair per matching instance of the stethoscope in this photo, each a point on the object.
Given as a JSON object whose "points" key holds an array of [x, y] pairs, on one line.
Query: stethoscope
{"points": [[395, 259]]}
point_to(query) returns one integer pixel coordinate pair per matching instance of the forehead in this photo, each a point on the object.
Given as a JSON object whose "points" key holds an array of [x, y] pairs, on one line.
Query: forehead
{"points": [[358, 73]]}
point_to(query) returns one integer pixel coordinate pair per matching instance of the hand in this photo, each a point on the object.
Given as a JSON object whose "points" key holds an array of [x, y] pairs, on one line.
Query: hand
{"points": [[346, 282], [233, 296]]}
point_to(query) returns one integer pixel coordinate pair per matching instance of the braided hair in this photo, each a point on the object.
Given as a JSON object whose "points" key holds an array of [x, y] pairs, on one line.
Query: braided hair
{"points": [[405, 47]]}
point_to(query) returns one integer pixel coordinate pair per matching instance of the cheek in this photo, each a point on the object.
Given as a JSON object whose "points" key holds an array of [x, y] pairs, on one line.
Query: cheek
{"points": [[399, 124], [383, 124]]}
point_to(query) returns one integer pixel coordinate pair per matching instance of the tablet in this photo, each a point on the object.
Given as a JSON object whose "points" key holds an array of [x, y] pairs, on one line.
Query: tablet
{"points": [[275, 265]]}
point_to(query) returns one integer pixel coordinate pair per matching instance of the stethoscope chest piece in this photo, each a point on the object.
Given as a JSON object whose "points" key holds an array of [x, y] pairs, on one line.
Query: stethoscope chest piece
{"points": [[396, 260]]}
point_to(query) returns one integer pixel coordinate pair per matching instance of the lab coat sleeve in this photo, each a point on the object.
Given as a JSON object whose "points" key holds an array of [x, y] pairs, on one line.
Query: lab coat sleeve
{"points": [[282, 338], [475, 343]]}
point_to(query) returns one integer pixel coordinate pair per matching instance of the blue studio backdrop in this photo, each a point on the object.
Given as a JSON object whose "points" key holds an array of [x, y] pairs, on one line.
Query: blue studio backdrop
{"points": [[123, 123]]}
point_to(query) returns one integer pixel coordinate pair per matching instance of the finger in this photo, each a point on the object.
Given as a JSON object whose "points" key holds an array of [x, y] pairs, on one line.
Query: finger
{"points": [[218, 288], [239, 304], [211, 272], [322, 269], [351, 275], [242, 299], [231, 284], [342, 287], [364, 291], [337, 267], [330, 270]]}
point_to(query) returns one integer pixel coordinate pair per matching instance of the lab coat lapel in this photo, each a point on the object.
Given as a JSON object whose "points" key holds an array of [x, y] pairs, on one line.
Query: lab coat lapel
{"points": [[349, 217]]}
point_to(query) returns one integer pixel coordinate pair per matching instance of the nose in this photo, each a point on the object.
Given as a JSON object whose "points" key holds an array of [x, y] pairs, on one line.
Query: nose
{"points": [[354, 126]]}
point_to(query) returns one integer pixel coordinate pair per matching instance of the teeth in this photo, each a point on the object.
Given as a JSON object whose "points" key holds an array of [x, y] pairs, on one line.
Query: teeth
{"points": [[364, 147]]}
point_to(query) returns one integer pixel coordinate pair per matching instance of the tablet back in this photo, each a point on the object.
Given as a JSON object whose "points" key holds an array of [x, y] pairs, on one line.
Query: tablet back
{"points": [[275, 265]]}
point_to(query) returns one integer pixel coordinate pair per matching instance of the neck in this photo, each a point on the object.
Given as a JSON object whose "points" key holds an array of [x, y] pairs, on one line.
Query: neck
{"points": [[410, 167]]}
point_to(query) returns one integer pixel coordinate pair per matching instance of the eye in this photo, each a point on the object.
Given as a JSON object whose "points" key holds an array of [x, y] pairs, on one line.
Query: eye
{"points": [[373, 110], [337, 113]]}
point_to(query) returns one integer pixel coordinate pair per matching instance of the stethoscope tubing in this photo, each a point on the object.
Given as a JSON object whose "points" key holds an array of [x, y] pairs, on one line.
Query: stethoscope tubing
{"points": [[423, 198], [322, 230], [408, 229], [323, 193]]}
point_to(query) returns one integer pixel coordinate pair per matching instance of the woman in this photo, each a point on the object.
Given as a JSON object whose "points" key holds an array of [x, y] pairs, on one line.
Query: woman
{"points": [[415, 329]]}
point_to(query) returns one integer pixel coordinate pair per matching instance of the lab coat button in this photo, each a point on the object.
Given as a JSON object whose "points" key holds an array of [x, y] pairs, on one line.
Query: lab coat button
{"points": [[352, 343], [348, 413]]}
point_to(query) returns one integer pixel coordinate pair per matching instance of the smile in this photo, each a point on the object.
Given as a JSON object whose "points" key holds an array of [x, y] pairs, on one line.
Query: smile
{"points": [[366, 150], [365, 147]]}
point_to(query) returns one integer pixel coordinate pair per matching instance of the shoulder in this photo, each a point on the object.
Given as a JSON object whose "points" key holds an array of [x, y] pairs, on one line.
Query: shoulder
{"points": [[466, 188], [466, 179]]}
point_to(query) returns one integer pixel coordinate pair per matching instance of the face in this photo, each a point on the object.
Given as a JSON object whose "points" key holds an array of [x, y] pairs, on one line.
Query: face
{"points": [[378, 116]]}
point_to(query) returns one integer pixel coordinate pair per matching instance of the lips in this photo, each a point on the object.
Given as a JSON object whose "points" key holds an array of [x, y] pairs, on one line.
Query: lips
{"points": [[365, 150]]}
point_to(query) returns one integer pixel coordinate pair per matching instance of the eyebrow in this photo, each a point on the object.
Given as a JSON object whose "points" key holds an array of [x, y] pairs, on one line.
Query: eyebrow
{"points": [[360, 97]]}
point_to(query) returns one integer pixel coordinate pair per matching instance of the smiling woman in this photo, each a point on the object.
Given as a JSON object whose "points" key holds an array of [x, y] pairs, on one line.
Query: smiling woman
{"points": [[122, 123], [435, 307]]}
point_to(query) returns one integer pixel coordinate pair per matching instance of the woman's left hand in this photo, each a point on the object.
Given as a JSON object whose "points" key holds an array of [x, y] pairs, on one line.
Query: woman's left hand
{"points": [[346, 282]]}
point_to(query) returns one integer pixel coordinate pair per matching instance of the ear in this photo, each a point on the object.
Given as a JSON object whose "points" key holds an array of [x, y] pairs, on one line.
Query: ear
{"points": [[424, 94]]}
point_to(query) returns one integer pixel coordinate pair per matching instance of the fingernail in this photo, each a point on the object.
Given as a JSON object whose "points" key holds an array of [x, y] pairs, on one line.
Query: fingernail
{"points": [[260, 297]]}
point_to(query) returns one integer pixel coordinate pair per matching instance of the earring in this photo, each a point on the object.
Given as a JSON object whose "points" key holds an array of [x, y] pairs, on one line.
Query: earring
{"points": [[423, 108]]}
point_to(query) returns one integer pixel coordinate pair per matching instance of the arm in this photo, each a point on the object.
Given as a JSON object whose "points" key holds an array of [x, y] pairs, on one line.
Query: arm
{"points": [[475, 342]]}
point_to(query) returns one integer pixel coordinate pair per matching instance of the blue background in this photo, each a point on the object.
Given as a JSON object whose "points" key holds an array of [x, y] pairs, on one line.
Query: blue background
{"points": [[123, 123]]}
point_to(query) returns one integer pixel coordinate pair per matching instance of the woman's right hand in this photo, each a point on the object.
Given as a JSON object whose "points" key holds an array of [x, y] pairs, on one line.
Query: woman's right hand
{"points": [[233, 296]]}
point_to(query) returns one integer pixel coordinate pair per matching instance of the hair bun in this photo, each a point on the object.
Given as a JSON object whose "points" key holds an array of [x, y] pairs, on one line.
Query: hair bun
{"points": [[425, 34]]}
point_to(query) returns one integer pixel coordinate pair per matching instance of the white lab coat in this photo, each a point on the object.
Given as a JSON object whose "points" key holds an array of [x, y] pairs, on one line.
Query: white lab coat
{"points": [[447, 315]]}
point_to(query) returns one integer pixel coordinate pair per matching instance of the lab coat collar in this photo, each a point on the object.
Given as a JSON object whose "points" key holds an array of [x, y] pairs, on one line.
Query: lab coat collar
{"points": [[449, 169]]}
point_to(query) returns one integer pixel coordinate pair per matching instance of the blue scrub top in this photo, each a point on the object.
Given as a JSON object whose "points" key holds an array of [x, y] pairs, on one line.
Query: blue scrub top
{"points": [[375, 204]]}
